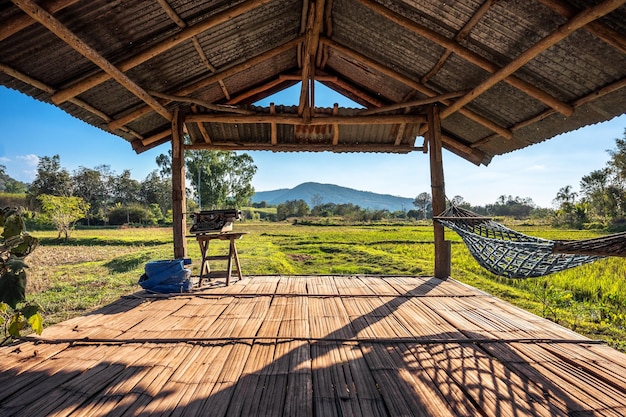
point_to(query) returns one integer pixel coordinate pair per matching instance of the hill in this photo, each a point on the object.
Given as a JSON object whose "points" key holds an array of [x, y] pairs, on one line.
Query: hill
{"points": [[330, 193]]}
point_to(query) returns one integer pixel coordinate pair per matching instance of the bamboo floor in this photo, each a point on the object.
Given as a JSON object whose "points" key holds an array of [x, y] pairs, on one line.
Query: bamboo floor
{"points": [[314, 345]]}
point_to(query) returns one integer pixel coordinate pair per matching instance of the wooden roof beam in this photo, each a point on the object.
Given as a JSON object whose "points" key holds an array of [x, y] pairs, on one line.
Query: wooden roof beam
{"points": [[194, 39], [463, 33], [260, 89], [315, 22], [23, 21], [158, 48], [608, 35], [215, 107], [416, 86], [474, 156], [618, 85], [54, 26], [352, 91], [558, 35], [469, 56], [288, 119], [142, 111], [414, 103], [310, 147]]}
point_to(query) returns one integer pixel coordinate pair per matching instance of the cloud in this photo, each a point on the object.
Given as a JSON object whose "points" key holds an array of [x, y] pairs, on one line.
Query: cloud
{"points": [[4, 159], [30, 159]]}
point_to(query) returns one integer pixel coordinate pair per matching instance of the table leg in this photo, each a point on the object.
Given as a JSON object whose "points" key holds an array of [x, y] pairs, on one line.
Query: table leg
{"points": [[230, 261], [205, 269], [237, 260]]}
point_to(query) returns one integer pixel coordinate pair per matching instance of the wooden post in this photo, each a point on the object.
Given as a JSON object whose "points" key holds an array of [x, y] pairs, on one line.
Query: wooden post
{"points": [[442, 247], [179, 208]]}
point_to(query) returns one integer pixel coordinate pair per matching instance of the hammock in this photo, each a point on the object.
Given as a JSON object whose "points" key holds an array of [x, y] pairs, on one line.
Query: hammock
{"points": [[511, 254]]}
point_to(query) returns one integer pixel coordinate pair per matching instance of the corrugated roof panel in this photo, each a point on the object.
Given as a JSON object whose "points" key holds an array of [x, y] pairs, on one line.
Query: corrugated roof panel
{"points": [[246, 36], [264, 72], [364, 31]]}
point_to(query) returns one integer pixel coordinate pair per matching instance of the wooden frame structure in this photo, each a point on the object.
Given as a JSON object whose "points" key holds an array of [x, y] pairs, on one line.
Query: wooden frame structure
{"points": [[478, 78]]}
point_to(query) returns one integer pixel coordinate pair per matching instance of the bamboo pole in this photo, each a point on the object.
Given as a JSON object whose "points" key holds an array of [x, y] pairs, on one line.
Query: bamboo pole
{"points": [[288, 119], [67, 36], [442, 247], [469, 55], [178, 187], [583, 18], [157, 49]]}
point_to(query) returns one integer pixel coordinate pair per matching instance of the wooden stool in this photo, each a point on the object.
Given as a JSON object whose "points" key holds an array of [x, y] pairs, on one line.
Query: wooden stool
{"points": [[205, 269]]}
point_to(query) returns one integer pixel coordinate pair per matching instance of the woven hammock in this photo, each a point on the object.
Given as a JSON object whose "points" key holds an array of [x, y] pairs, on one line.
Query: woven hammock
{"points": [[511, 254]]}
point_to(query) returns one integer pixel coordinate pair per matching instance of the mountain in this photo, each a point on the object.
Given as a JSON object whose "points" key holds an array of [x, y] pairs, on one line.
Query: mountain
{"points": [[330, 193]]}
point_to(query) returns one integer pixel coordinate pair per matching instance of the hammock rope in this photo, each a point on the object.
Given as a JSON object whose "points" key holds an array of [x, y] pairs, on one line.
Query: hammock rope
{"points": [[512, 254]]}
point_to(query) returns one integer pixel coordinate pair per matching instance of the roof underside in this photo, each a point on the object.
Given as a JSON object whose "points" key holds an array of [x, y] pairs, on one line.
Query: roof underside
{"points": [[504, 74]]}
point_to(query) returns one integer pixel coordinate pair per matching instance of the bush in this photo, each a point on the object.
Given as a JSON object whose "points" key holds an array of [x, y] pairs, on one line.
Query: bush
{"points": [[134, 214], [618, 224]]}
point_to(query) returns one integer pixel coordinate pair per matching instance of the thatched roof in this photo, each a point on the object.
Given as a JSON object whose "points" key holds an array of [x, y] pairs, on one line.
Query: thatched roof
{"points": [[506, 74]]}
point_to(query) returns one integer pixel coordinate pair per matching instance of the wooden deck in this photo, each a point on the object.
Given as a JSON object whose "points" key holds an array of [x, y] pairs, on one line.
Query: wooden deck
{"points": [[317, 345]]}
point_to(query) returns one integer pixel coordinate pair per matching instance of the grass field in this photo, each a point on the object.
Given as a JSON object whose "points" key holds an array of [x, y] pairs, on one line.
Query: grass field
{"points": [[98, 266]]}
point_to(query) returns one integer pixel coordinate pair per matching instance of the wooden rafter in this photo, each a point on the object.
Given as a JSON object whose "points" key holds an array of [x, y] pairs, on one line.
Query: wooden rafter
{"points": [[23, 21], [56, 27], [618, 85], [313, 147], [296, 120], [156, 137], [274, 126], [315, 21], [282, 78], [157, 49], [463, 33], [415, 85], [608, 35], [48, 89], [203, 103], [143, 111], [469, 56], [351, 91], [561, 33], [414, 103], [335, 126]]}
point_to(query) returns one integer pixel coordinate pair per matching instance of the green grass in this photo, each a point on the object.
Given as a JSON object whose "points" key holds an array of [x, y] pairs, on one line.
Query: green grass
{"points": [[97, 266]]}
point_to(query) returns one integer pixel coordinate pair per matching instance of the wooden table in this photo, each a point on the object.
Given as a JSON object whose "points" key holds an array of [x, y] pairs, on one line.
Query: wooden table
{"points": [[205, 270]]}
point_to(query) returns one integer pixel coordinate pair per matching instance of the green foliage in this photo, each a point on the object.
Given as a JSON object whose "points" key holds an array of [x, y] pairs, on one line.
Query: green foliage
{"points": [[63, 211], [15, 245], [134, 214], [292, 208], [220, 179]]}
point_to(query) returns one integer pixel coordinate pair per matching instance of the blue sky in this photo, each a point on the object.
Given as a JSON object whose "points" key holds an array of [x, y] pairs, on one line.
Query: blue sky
{"points": [[31, 129]]}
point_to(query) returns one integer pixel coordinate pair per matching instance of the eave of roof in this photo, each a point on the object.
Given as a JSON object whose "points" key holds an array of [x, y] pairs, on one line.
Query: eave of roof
{"points": [[506, 75]]}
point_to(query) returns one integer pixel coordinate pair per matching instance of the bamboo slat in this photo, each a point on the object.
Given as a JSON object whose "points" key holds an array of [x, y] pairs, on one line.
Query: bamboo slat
{"points": [[287, 346]]}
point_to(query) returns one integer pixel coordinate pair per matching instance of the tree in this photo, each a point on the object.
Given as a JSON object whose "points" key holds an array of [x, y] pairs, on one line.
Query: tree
{"points": [[593, 188], [92, 185], [63, 211], [51, 179], [220, 179], [423, 201], [10, 185], [292, 208], [126, 191], [157, 190]]}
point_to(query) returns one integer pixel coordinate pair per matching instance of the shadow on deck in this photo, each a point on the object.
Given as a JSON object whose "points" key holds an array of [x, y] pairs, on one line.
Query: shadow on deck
{"points": [[316, 345]]}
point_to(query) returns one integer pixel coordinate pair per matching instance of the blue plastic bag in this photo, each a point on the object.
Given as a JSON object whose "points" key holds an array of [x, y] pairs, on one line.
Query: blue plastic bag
{"points": [[169, 276]]}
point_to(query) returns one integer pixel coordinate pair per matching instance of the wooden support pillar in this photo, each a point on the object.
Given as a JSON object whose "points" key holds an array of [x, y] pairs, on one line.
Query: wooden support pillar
{"points": [[179, 204], [442, 246]]}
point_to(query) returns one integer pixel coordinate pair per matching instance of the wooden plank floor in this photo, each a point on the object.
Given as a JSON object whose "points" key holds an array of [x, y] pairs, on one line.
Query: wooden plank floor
{"points": [[315, 345]]}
